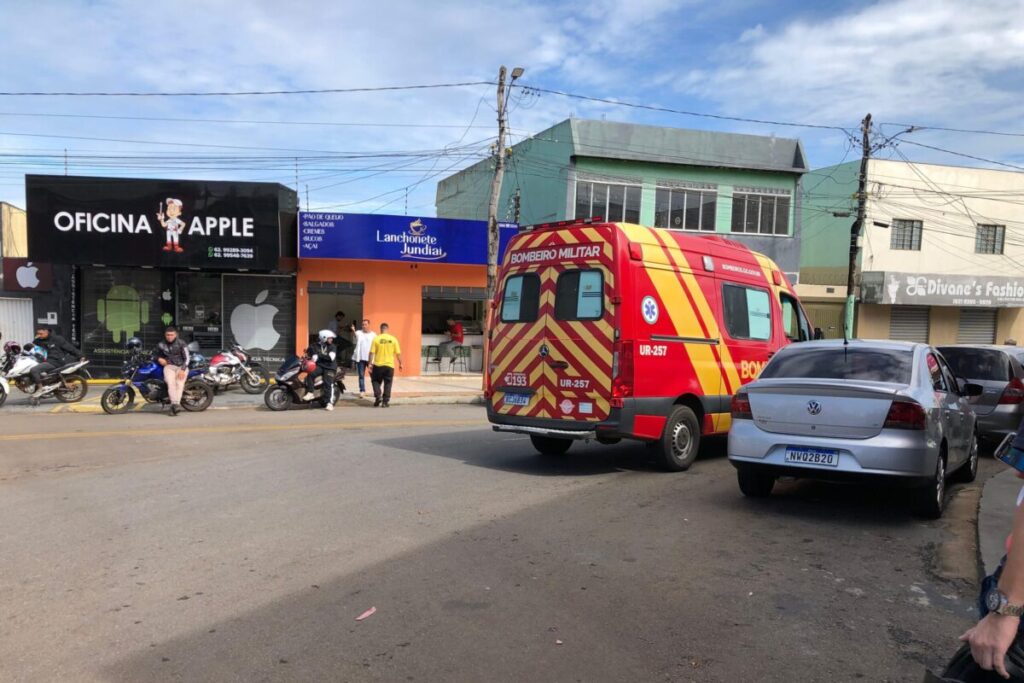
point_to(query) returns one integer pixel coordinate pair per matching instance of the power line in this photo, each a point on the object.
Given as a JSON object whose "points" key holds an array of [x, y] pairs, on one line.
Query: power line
{"points": [[962, 154], [235, 93], [956, 130]]}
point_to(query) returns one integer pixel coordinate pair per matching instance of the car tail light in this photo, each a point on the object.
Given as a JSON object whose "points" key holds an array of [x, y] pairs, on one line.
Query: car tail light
{"points": [[622, 372], [905, 415], [1014, 392], [740, 407]]}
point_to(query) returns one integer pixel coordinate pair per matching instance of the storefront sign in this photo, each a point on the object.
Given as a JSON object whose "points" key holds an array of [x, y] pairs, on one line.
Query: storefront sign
{"points": [[171, 223], [932, 289], [22, 275], [397, 238]]}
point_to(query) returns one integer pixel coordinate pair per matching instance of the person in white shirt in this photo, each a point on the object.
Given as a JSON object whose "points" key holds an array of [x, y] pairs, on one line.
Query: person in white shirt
{"points": [[364, 339]]}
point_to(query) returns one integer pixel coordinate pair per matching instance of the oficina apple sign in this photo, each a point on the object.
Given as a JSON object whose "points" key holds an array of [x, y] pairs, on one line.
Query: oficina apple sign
{"points": [[22, 275]]}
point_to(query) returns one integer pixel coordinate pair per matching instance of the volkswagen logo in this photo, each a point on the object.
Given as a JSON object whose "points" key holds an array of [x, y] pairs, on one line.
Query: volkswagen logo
{"points": [[813, 407]]}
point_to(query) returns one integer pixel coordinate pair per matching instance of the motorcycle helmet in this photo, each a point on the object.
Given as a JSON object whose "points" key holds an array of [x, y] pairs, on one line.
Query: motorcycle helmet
{"points": [[12, 348], [326, 335], [963, 669], [308, 366], [134, 344]]}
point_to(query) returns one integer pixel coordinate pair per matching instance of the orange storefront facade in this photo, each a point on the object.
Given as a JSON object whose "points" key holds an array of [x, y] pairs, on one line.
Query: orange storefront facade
{"points": [[411, 273]]}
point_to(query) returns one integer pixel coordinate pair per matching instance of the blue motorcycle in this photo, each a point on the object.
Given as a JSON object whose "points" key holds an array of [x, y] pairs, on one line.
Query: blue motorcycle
{"points": [[142, 374]]}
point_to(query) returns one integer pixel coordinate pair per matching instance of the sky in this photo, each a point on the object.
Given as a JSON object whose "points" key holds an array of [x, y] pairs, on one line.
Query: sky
{"points": [[930, 63]]}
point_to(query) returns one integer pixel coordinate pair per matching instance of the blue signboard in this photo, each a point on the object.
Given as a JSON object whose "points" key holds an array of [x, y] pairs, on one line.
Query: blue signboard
{"points": [[397, 238]]}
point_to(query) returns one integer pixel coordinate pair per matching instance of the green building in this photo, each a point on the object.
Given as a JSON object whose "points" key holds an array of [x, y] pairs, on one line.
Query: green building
{"points": [[745, 187]]}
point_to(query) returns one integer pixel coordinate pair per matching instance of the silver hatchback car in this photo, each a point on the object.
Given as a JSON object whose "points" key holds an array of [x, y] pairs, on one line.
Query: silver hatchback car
{"points": [[858, 410]]}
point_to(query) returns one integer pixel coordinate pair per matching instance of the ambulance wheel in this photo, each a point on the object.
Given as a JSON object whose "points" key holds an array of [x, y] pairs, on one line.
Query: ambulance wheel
{"points": [[680, 441], [547, 445]]}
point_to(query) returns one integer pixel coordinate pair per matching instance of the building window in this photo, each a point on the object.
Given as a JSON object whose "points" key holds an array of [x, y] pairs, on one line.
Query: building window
{"points": [[464, 305], [989, 239], [761, 214], [747, 312], [684, 209], [906, 235], [615, 203]]}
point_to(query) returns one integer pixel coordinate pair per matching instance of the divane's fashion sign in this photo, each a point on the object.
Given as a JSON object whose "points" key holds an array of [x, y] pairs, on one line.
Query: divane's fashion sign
{"points": [[933, 289], [396, 238], [173, 223]]}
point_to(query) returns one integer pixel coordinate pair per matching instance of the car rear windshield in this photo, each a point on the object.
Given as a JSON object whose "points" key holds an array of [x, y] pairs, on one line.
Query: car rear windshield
{"points": [[983, 364], [873, 365]]}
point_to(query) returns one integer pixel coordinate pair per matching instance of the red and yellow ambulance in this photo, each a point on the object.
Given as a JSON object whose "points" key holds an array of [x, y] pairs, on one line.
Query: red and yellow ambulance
{"points": [[612, 331]]}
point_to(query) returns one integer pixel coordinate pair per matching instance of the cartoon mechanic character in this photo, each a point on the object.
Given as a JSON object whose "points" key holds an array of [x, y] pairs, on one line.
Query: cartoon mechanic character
{"points": [[172, 224]]}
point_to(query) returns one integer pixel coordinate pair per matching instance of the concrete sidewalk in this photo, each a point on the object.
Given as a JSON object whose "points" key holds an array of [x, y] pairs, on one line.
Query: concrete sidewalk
{"points": [[995, 518], [427, 389]]}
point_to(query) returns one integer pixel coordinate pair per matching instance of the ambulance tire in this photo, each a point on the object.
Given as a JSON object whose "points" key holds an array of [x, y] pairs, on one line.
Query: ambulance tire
{"points": [[547, 445], [680, 441]]}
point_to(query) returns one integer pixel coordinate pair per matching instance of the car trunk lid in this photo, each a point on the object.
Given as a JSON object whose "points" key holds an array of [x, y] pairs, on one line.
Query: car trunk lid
{"points": [[823, 408]]}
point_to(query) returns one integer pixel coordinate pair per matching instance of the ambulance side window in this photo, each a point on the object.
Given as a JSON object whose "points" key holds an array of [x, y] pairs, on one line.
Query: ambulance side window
{"points": [[747, 312], [579, 295], [793, 321], [521, 299]]}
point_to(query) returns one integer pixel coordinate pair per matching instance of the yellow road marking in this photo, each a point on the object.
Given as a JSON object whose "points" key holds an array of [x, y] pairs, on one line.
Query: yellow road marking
{"points": [[232, 429]]}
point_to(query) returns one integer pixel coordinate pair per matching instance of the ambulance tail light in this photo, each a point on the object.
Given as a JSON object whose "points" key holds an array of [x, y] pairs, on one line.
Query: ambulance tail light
{"points": [[740, 407], [622, 372]]}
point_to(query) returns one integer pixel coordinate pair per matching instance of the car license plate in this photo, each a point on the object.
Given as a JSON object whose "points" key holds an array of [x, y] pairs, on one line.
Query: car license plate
{"points": [[516, 399], [826, 457]]}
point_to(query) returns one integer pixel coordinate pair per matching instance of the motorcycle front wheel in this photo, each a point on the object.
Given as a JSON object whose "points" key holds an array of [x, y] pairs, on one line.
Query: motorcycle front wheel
{"points": [[256, 384], [197, 396], [117, 399], [73, 390], [278, 397]]}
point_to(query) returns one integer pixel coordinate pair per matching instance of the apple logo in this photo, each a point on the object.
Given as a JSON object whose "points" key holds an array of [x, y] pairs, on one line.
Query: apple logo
{"points": [[253, 326], [27, 276], [166, 295]]}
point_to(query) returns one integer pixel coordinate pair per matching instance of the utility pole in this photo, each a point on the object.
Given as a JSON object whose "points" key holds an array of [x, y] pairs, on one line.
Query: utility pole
{"points": [[855, 229], [492, 205], [518, 205]]}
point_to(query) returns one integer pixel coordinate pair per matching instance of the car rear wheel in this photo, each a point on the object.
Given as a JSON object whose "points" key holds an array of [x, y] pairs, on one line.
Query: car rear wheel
{"points": [[931, 499], [755, 484], [969, 470], [547, 445], [680, 441]]}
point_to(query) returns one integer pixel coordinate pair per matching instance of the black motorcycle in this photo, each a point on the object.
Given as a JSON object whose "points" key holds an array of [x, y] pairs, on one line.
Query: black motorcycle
{"points": [[289, 386]]}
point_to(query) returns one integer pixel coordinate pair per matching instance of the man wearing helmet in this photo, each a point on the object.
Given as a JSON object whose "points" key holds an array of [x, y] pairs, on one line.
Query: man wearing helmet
{"points": [[326, 358], [57, 352]]}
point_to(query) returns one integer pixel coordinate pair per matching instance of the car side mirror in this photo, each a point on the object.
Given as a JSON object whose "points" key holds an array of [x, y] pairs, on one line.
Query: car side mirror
{"points": [[970, 389]]}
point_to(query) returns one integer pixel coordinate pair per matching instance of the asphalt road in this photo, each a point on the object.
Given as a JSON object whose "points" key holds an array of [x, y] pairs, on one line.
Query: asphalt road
{"points": [[242, 545]]}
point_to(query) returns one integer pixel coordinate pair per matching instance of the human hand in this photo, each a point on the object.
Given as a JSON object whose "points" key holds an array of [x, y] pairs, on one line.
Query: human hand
{"points": [[990, 639], [161, 361]]}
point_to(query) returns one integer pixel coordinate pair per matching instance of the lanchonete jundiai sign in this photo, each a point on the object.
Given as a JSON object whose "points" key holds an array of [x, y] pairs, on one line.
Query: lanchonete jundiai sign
{"points": [[934, 289], [174, 223], [396, 238]]}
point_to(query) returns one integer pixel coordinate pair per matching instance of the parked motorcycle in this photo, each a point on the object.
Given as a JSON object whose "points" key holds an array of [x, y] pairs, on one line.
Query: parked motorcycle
{"points": [[234, 366], [141, 374], [10, 352], [290, 385], [66, 383]]}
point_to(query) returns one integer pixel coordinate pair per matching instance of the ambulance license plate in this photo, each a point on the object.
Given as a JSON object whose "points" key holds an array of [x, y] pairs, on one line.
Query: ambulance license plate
{"points": [[512, 399], [800, 455]]}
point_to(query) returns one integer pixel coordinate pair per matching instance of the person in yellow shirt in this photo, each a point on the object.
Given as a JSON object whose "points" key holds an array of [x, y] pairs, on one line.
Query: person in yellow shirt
{"points": [[384, 352]]}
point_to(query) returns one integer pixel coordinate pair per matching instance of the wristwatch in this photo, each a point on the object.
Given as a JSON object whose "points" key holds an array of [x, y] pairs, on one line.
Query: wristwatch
{"points": [[997, 602]]}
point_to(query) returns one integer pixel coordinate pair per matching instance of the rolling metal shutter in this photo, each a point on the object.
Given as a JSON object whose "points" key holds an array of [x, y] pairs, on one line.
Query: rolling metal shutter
{"points": [[16, 320], [977, 326], [909, 323]]}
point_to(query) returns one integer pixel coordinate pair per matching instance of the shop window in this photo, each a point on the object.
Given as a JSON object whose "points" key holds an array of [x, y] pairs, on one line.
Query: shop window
{"points": [[259, 312], [521, 299], [747, 312], [118, 304], [198, 310], [464, 305], [760, 213], [684, 209], [579, 295], [612, 202]]}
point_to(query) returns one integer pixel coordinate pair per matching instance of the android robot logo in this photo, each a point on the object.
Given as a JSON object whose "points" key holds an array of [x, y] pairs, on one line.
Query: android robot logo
{"points": [[122, 312]]}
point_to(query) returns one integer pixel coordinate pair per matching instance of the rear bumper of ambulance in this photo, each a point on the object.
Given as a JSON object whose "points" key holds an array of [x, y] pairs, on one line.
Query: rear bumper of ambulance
{"points": [[618, 425]]}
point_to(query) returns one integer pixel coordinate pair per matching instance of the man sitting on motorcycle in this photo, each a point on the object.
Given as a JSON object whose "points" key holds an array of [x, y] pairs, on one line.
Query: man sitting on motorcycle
{"points": [[59, 352], [326, 358]]}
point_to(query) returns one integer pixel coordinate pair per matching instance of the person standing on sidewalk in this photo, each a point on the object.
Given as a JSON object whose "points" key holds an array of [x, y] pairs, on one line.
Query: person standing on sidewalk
{"points": [[384, 352], [364, 340], [172, 355], [1002, 593]]}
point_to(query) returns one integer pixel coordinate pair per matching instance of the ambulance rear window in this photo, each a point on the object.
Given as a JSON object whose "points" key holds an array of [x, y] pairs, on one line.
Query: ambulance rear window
{"points": [[579, 295], [521, 299]]}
